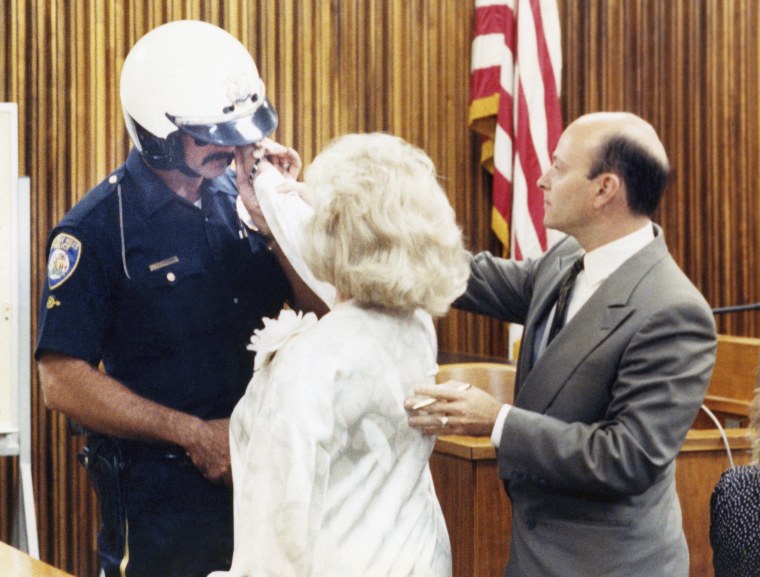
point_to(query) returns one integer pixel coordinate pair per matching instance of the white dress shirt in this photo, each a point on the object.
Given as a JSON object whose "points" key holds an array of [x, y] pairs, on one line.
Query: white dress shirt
{"points": [[597, 266]]}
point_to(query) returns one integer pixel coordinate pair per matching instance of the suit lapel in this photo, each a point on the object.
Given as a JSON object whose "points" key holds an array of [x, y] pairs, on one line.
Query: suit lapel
{"points": [[544, 300], [599, 317], [569, 349]]}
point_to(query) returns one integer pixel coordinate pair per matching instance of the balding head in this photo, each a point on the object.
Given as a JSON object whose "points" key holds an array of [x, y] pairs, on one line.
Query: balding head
{"points": [[628, 146]]}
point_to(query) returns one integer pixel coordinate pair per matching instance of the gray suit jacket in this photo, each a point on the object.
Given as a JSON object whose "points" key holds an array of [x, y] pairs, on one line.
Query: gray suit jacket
{"points": [[587, 452]]}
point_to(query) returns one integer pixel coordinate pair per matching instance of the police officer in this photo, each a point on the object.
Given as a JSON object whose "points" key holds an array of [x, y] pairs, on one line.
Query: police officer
{"points": [[153, 275]]}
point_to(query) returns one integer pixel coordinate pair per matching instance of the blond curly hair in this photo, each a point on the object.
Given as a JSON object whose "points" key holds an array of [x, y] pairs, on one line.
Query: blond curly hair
{"points": [[383, 231]]}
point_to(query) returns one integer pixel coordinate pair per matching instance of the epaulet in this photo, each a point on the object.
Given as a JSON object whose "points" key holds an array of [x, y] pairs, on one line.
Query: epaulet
{"points": [[113, 179], [95, 197], [109, 184]]}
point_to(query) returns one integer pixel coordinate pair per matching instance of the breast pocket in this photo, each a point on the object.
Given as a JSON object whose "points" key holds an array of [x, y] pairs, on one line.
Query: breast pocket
{"points": [[173, 275], [186, 296], [168, 305]]}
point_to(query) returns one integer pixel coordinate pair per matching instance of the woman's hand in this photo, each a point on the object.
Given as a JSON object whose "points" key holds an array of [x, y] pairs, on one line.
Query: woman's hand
{"points": [[287, 162], [250, 160]]}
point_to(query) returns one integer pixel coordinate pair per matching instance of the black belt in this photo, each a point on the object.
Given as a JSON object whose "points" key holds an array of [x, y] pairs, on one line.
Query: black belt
{"points": [[136, 450], [139, 450]]}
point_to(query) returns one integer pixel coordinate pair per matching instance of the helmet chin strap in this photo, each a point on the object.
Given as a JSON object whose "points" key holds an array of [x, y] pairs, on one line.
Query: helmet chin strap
{"points": [[177, 156], [169, 153], [164, 154], [186, 170]]}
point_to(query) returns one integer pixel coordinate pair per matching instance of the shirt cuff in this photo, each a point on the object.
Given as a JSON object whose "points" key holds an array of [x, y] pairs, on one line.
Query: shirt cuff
{"points": [[498, 426], [244, 216]]}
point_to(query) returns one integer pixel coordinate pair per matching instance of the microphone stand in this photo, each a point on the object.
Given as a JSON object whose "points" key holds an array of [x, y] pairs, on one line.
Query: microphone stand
{"points": [[737, 308]]}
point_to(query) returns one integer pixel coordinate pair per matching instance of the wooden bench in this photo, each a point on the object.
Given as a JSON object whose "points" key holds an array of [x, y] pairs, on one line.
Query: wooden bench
{"points": [[478, 514]]}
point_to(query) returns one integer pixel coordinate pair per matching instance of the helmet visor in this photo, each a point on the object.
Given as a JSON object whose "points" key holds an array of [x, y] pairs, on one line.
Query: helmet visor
{"points": [[234, 132]]}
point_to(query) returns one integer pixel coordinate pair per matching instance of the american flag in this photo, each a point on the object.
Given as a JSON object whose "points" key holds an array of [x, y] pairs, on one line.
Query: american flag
{"points": [[514, 103]]}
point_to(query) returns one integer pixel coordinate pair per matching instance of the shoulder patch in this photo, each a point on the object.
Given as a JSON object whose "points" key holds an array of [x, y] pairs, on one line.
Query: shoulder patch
{"points": [[65, 252]]}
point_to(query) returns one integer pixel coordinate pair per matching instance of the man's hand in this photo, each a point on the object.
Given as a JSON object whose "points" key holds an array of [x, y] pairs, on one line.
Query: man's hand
{"points": [[247, 161], [209, 449], [453, 408]]}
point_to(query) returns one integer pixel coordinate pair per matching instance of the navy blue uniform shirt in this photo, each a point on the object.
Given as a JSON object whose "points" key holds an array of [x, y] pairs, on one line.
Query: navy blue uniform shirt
{"points": [[164, 293]]}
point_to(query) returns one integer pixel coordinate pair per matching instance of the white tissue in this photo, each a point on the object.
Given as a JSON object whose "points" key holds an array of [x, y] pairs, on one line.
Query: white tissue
{"points": [[286, 214]]}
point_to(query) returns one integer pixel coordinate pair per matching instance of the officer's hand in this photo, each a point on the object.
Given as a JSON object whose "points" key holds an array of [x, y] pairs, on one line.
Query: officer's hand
{"points": [[453, 408], [247, 162], [209, 449]]}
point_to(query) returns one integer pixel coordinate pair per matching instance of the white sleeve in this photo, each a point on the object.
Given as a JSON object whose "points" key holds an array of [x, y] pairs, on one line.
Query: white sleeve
{"points": [[498, 426], [280, 471], [281, 491], [286, 214]]}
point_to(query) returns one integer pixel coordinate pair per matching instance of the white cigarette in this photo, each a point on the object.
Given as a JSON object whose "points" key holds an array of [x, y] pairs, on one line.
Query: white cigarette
{"points": [[424, 403], [430, 400]]}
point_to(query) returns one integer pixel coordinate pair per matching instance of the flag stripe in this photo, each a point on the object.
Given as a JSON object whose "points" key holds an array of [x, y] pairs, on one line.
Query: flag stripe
{"points": [[503, 146], [532, 204], [532, 108], [514, 91], [486, 3], [486, 51], [526, 240], [550, 62]]}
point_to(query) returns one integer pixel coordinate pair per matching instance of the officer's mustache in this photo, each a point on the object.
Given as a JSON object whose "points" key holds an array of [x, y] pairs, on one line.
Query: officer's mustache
{"points": [[228, 157]]}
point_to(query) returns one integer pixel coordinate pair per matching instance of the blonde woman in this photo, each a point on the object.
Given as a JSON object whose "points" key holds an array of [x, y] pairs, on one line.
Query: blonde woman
{"points": [[329, 479]]}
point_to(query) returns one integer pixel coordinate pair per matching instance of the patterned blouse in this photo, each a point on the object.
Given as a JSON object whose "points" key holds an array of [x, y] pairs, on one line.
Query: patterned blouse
{"points": [[735, 523]]}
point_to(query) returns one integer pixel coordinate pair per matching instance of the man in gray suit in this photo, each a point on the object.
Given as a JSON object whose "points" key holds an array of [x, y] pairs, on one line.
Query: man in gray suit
{"points": [[587, 452]]}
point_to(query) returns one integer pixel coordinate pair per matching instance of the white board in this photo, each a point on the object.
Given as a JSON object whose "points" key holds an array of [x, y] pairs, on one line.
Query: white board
{"points": [[15, 326], [9, 279]]}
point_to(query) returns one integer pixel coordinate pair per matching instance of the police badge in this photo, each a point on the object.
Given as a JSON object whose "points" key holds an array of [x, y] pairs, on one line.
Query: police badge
{"points": [[63, 260]]}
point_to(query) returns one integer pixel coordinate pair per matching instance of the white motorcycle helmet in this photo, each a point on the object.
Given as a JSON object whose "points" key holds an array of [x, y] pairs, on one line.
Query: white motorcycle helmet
{"points": [[192, 77]]}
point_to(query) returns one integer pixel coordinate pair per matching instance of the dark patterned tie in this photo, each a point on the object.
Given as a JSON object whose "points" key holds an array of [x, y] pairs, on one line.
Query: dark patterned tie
{"points": [[563, 298]]}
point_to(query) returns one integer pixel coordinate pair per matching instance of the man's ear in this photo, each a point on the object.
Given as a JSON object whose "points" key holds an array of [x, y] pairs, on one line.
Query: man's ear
{"points": [[609, 189]]}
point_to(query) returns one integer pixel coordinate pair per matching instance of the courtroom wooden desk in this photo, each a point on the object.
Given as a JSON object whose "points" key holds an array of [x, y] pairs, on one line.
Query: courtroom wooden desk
{"points": [[699, 465], [478, 513], [15, 563]]}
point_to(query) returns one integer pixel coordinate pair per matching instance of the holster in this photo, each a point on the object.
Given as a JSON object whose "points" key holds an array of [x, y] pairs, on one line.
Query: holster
{"points": [[102, 457]]}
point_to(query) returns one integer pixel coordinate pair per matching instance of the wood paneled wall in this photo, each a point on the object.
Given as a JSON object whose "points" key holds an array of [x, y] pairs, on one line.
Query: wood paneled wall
{"points": [[402, 66], [692, 69]]}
